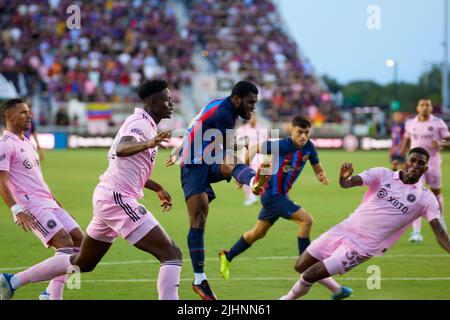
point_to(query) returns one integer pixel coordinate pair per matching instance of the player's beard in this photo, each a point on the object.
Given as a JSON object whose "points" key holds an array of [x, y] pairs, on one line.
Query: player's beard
{"points": [[242, 112]]}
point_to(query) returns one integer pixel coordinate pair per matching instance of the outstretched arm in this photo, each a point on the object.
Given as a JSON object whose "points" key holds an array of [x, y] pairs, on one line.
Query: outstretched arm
{"points": [[129, 146], [320, 174], [405, 146], [175, 154], [346, 180], [441, 235], [163, 195]]}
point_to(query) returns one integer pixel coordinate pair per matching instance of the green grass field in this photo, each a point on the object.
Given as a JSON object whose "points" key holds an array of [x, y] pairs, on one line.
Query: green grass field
{"points": [[265, 271]]}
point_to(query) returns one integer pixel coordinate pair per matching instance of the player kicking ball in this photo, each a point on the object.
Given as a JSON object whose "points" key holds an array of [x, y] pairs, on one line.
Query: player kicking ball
{"points": [[393, 201], [293, 154], [116, 209]]}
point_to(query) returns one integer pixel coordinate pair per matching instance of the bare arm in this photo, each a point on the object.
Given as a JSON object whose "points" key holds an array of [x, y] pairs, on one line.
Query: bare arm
{"points": [[405, 146], [320, 174], [22, 219], [163, 195], [128, 145], [251, 152], [440, 233], [38, 147], [346, 180], [175, 154]]}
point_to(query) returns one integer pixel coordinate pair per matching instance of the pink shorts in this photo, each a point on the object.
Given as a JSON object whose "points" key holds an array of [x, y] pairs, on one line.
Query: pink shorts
{"points": [[118, 215], [433, 176], [338, 253], [48, 221]]}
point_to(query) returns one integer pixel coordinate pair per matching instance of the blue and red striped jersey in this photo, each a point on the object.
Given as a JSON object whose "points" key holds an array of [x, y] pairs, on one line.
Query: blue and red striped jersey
{"points": [[290, 163], [218, 114]]}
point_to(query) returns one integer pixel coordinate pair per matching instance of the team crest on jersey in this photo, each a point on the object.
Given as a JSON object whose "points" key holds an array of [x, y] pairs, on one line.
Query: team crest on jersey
{"points": [[411, 198], [2, 157], [305, 157], [382, 193], [286, 168], [142, 210], [51, 224]]}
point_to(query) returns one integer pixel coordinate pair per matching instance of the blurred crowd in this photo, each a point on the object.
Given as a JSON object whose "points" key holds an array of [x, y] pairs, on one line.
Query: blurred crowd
{"points": [[247, 37], [120, 43]]}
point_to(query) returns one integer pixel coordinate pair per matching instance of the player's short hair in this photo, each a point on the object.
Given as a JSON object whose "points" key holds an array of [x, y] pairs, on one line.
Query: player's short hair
{"points": [[9, 104], [420, 151], [243, 88], [302, 121], [150, 87]]}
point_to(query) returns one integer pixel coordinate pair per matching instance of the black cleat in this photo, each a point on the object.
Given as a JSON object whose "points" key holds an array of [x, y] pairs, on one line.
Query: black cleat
{"points": [[204, 291]]}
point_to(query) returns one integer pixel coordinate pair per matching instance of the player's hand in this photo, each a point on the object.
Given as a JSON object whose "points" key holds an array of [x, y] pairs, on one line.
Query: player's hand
{"points": [[322, 177], [25, 221], [161, 137], [436, 145], [166, 200], [171, 160], [346, 170]]}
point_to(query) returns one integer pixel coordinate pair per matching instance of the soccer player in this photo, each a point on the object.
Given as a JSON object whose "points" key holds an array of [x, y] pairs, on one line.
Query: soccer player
{"points": [[293, 153], [251, 133], [202, 163], [397, 135], [23, 189], [116, 209], [31, 131], [393, 201], [427, 131]]}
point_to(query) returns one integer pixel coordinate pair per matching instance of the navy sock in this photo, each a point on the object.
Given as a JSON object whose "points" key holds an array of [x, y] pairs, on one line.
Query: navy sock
{"points": [[240, 246], [303, 243], [196, 249], [243, 174]]}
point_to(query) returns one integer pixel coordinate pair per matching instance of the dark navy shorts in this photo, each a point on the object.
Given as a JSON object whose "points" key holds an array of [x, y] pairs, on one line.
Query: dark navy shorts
{"points": [[197, 178], [397, 157], [277, 206]]}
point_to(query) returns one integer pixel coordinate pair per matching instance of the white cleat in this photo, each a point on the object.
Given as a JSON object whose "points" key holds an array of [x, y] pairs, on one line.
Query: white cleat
{"points": [[6, 291], [250, 202], [44, 295], [415, 237]]}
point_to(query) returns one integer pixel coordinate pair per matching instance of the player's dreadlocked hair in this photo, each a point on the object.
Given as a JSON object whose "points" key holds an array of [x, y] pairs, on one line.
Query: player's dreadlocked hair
{"points": [[243, 88], [150, 87], [9, 104], [420, 150], [301, 121]]}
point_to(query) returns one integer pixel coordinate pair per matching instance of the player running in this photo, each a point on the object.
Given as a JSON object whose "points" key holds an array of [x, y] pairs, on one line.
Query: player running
{"points": [[393, 201], [427, 131], [116, 209], [397, 136], [207, 156], [293, 154], [23, 189]]}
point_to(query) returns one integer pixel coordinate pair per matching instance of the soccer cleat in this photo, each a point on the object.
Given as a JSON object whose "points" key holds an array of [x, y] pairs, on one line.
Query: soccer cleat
{"points": [[250, 202], [415, 237], [344, 293], [260, 180], [44, 295], [224, 265], [204, 291], [6, 290]]}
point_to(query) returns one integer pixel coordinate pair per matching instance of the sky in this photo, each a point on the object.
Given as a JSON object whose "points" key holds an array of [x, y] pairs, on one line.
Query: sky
{"points": [[334, 35]]}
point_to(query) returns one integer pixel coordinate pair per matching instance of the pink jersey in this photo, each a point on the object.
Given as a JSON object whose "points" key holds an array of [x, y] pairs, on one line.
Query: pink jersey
{"points": [[128, 175], [423, 133], [388, 208], [20, 159]]}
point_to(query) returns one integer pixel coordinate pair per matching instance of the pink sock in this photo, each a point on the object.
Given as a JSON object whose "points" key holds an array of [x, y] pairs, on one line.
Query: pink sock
{"points": [[300, 288], [169, 280], [57, 284], [46, 270], [248, 192], [417, 224], [331, 284]]}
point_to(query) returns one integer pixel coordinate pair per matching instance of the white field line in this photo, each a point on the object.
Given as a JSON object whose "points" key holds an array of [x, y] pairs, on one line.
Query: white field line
{"points": [[154, 261]]}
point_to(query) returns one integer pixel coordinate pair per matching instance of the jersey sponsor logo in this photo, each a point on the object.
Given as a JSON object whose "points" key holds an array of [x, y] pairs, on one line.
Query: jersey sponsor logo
{"points": [[399, 205], [137, 131], [411, 198], [142, 210], [51, 224], [305, 157], [286, 168], [382, 193], [2, 157]]}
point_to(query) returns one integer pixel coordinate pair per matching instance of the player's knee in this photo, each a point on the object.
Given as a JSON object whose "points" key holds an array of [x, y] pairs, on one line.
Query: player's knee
{"points": [[199, 220], [61, 240], [259, 233], [77, 237], [308, 221]]}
